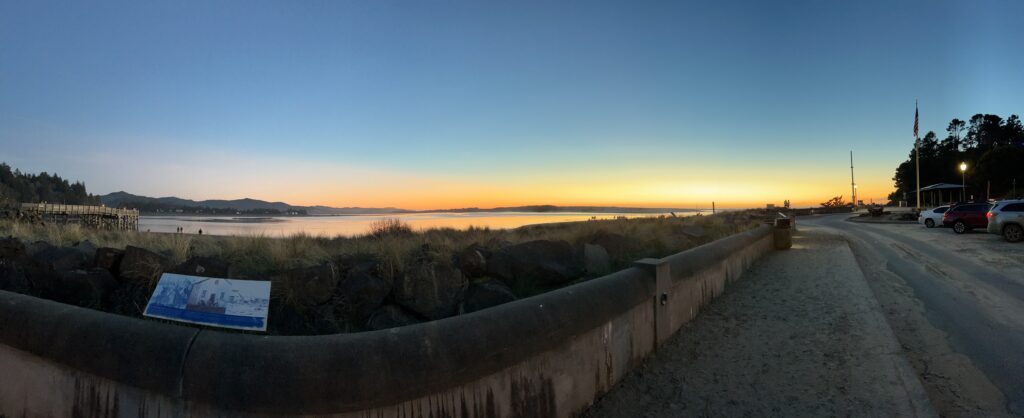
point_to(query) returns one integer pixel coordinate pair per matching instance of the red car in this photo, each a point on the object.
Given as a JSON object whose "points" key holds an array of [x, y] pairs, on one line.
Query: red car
{"points": [[966, 216]]}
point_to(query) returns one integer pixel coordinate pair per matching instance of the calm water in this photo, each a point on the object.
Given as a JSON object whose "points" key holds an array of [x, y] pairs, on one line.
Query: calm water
{"points": [[359, 224]]}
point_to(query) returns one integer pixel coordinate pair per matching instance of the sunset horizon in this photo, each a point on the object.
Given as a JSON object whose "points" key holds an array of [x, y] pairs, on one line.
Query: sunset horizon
{"points": [[477, 106]]}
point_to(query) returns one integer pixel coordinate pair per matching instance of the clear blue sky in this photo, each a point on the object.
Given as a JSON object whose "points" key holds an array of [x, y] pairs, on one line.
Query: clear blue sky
{"points": [[473, 103]]}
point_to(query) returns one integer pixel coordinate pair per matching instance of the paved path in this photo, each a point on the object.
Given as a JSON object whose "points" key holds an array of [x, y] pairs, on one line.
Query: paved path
{"points": [[801, 334], [956, 303]]}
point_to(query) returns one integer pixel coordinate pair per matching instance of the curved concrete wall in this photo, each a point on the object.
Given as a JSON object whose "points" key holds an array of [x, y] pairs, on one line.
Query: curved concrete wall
{"points": [[548, 355]]}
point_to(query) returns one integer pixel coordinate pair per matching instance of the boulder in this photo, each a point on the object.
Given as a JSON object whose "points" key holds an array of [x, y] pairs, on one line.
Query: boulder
{"points": [[595, 259], [390, 316], [431, 287], [12, 249], [307, 286], [364, 290], [85, 246], [286, 319], [141, 265], [62, 258], [485, 294], [203, 267], [473, 261], [89, 288], [618, 246], [108, 259], [13, 277], [36, 247], [535, 264]]}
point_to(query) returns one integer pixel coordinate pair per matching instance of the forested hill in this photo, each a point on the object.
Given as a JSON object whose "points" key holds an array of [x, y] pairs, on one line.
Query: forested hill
{"points": [[16, 187]]}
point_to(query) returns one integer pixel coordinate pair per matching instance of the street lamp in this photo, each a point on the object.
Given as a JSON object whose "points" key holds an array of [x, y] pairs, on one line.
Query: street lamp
{"points": [[963, 179], [855, 195]]}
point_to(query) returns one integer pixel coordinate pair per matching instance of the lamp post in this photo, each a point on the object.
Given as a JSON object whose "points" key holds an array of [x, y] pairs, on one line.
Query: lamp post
{"points": [[963, 180], [855, 194]]}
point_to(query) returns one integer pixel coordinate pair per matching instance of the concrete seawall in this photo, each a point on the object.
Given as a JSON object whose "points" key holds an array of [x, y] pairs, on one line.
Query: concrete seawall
{"points": [[545, 356]]}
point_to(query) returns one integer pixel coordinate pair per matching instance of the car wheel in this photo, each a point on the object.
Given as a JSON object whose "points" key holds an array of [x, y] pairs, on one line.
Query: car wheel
{"points": [[929, 223], [959, 227], [1013, 233]]}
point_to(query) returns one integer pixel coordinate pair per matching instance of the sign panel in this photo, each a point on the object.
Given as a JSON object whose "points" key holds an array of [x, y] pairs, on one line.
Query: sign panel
{"points": [[226, 303]]}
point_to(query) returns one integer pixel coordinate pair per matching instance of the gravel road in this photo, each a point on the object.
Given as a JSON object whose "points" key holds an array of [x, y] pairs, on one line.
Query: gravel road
{"points": [[801, 334], [956, 303]]}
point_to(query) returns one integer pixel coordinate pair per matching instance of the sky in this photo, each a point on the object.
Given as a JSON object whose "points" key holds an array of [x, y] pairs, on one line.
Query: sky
{"points": [[446, 104]]}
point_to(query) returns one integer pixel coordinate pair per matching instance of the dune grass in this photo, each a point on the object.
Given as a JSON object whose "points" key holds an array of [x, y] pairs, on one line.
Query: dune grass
{"points": [[390, 241]]}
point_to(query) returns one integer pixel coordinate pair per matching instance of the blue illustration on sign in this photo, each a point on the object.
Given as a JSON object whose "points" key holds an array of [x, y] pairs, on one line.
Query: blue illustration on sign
{"points": [[227, 303]]}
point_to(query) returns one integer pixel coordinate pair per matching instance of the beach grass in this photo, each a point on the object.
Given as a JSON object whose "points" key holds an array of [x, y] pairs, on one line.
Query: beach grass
{"points": [[391, 242]]}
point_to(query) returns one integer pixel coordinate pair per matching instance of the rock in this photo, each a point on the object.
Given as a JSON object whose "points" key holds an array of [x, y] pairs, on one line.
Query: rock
{"points": [[85, 246], [62, 258], [595, 259], [13, 277], [618, 246], [36, 247], [203, 267], [473, 261], [430, 287], [486, 294], [141, 265], [534, 264], [390, 316], [12, 249], [364, 290], [285, 319], [108, 259], [307, 285], [89, 288]]}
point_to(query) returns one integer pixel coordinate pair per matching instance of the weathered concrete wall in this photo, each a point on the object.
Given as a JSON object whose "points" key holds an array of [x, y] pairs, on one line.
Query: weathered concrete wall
{"points": [[544, 356]]}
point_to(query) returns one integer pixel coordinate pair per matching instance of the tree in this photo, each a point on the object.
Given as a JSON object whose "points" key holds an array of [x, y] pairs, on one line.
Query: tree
{"points": [[1014, 131], [835, 202], [991, 147], [16, 186], [956, 129]]}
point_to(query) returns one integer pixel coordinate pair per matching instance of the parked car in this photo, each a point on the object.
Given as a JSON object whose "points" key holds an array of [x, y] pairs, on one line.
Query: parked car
{"points": [[1006, 218], [932, 217], [966, 216]]}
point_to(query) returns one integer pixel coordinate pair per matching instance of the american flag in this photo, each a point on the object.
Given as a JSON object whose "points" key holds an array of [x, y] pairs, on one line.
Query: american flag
{"points": [[915, 120]]}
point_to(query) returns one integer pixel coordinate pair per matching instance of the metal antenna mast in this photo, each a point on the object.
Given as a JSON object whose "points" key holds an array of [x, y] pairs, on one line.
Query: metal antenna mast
{"points": [[853, 184]]}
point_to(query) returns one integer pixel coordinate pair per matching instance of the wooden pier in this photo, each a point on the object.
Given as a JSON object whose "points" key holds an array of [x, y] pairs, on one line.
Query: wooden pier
{"points": [[100, 217]]}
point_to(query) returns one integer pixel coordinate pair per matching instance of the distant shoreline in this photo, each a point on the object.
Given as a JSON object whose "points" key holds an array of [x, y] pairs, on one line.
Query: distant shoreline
{"points": [[595, 211]]}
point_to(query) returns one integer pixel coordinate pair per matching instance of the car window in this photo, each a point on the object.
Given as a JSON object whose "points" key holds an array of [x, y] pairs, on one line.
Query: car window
{"points": [[1014, 207], [940, 210]]}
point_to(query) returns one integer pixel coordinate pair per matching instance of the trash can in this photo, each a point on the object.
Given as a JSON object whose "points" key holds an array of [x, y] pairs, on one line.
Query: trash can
{"points": [[783, 233]]}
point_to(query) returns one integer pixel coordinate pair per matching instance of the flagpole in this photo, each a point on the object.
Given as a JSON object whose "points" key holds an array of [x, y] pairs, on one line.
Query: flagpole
{"points": [[917, 155]]}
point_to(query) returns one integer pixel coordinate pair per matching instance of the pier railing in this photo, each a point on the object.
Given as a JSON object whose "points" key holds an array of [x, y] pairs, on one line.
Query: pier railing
{"points": [[93, 216]]}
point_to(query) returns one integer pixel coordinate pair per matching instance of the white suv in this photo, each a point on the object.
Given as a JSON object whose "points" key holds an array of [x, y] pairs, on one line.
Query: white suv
{"points": [[932, 217], [1006, 218]]}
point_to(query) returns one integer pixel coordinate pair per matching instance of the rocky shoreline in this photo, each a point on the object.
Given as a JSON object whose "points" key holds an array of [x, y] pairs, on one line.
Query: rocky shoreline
{"points": [[352, 292]]}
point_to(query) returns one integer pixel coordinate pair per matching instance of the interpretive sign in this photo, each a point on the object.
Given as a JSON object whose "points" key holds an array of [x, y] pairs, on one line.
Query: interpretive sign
{"points": [[226, 303]]}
